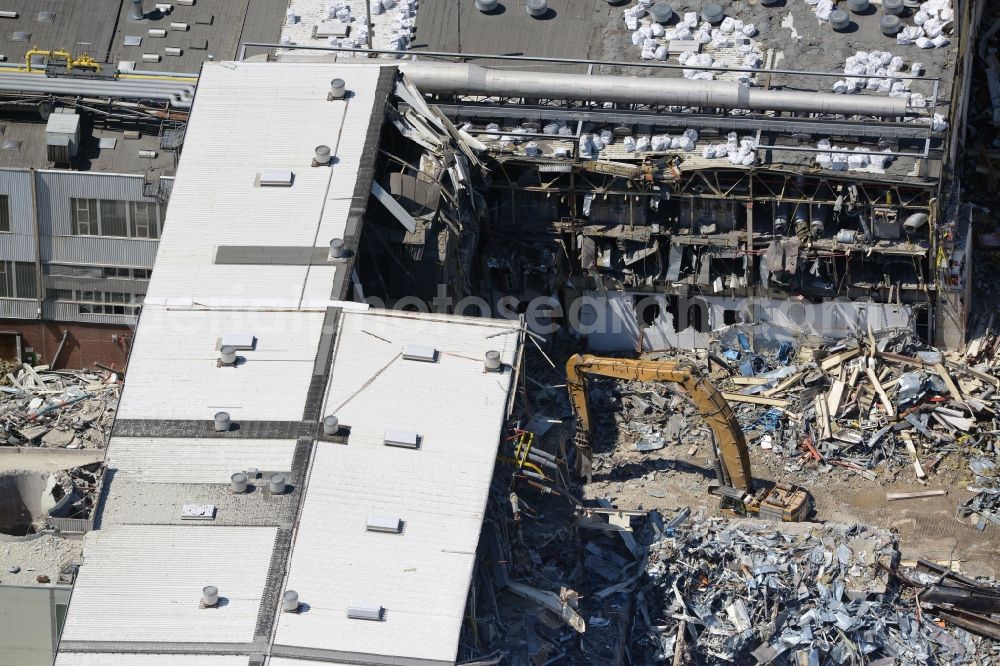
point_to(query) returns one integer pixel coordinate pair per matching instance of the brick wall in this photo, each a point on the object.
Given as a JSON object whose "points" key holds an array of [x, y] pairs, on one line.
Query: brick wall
{"points": [[104, 343]]}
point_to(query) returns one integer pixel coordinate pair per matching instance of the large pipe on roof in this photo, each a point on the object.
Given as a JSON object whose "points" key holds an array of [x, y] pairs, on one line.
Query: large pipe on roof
{"points": [[177, 94], [466, 79]]}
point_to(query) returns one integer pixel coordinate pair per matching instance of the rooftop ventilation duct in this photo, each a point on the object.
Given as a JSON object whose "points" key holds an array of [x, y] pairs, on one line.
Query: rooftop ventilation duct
{"points": [[537, 8], [276, 484], [493, 362], [486, 5], [209, 596], [135, 11], [238, 483], [331, 425], [290, 601], [321, 156], [465, 79], [338, 89], [712, 13], [227, 355], [337, 250], [222, 422]]}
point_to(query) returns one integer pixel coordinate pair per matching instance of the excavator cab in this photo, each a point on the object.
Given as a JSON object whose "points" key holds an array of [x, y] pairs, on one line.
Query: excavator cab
{"points": [[780, 502], [740, 496]]}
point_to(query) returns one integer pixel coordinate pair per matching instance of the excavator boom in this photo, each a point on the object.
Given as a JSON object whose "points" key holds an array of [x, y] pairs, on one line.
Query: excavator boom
{"points": [[779, 501]]}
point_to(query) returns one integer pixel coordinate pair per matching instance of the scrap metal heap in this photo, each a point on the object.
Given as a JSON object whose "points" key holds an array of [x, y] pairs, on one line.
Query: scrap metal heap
{"points": [[732, 593], [71, 409]]}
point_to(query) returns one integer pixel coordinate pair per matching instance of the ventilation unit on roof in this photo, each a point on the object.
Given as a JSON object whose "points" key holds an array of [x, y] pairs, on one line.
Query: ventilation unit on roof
{"points": [[276, 484], [493, 362], [338, 88], [209, 596], [365, 612], [227, 356], [321, 156], [290, 601], [338, 250], [417, 352], [402, 438], [238, 483], [383, 522], [222, 422], [331, 425], [275, 178]]}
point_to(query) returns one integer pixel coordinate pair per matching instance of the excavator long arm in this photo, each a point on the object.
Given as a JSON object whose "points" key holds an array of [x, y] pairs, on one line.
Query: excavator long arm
{"points": [[733, 456]]}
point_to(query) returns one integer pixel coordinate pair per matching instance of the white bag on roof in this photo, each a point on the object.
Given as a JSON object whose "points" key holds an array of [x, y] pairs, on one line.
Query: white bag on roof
{"points": [[642, 144], [662, 52], [909, 34], [657, 30], [637, 38], [691, 18], [749, 30], [629, 144], [924, 43], [708, 152], [941, 41]]}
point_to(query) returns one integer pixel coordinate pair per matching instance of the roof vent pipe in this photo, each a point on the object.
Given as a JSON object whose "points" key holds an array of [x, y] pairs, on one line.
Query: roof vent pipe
{"points": [[890, 25], [136, 13], [209, 596], [276, 484], [290, 601], [661, 12], [222, 422], [337, 251], [338, 88], [892, 7], [769, 3], [331, 425], [227, 355], [493, 363], [840, 20], [537, 8], [322, 156], [858, 6], [238, 483], [486, 5], [913, 223], [712, 13]]}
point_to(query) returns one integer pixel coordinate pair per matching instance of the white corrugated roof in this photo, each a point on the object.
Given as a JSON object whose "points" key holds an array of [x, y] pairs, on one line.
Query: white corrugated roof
{"points": [[421, 576], [174, 374], [249, 117], [140, 583], [165, 460], [143, 583], [109, 659]]}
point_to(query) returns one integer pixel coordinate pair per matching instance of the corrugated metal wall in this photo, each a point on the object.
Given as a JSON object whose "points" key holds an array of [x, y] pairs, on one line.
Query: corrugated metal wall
{"points": [[18, 308], [56, 188], [99, 251], [56, 311], [19, 244]]}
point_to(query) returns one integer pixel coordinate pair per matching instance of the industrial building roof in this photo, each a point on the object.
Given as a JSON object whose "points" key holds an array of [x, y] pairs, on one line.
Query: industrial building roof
{"points": [[420, 576], [277, 131], [104, 150], [99, 28], [302, 354], [214, 30]]}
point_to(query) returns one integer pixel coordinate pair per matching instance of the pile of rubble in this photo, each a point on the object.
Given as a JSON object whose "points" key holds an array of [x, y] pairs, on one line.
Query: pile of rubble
{"points": [[71, 409], [881, 398], [721, 592]]}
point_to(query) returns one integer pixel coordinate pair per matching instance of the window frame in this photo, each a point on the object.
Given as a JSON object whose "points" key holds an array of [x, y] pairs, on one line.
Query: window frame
{"points": [[92, 217]]}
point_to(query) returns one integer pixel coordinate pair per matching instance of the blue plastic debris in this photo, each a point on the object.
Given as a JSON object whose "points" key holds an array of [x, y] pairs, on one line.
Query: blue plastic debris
{"points": [[744, 341], [731, 354], [785, 352]]}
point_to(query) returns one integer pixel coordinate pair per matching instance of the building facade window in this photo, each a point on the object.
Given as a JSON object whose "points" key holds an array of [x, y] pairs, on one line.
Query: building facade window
{"points": [[121, 219], [4, 212], [17, 279], [98, 302]]}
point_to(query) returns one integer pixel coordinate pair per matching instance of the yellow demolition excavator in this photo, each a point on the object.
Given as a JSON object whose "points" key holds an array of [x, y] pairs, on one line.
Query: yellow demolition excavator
{"points": [[732, 459]]}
